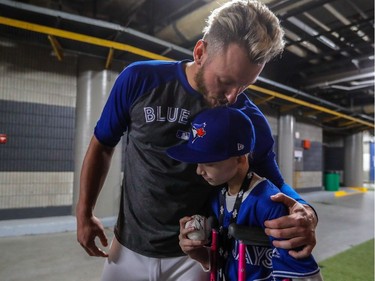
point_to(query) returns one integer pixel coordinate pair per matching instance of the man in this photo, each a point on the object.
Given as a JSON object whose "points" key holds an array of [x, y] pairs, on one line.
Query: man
{"points": [[154, 103]]}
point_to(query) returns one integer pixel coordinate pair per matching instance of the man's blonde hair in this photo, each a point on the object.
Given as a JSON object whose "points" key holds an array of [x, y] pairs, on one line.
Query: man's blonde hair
{"points": [[247, 23]]}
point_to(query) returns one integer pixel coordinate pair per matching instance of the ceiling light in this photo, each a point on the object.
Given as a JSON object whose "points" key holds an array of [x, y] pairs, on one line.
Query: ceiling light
{"points": [[313, 32], [328, 42], [366, 82], [297, 51]]}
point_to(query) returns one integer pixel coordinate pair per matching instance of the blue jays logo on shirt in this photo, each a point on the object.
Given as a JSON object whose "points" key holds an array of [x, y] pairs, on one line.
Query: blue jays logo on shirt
{"points": [[198, 131]]}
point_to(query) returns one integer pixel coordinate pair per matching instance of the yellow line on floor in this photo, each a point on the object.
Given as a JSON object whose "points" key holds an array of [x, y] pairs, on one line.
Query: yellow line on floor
{"points": [[354, 190], [360, 189], [341, 193]]}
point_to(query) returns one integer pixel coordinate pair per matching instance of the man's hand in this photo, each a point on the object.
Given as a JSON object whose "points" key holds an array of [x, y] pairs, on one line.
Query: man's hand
{"points": [[94, 171], [297, 229], [87, 231]]}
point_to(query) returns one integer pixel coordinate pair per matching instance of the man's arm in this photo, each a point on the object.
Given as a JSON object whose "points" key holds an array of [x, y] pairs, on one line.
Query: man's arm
{"points": [[93, 174], [298, 228]]}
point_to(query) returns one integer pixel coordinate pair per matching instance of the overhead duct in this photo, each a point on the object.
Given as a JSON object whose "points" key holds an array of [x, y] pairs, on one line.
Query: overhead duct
{"points": [[189, 27], [106, 10], [118, 9], [341, 80]]}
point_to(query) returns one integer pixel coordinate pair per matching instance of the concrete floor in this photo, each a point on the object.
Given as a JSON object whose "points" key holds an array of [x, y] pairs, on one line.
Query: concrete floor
{"points": [[344, 221]]}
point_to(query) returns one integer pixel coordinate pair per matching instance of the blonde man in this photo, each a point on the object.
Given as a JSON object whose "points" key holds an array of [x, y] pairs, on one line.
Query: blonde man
{"points": [[153, 102]]}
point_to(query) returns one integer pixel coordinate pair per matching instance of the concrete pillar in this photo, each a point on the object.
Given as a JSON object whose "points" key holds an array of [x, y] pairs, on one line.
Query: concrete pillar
{"points": [[372, 161], [93, 88], [286, 147], [353, 160]]}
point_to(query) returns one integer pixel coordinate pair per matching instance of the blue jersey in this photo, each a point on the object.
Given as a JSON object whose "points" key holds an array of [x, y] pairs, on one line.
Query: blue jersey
{"points": [[262, 263], [152, 105]]}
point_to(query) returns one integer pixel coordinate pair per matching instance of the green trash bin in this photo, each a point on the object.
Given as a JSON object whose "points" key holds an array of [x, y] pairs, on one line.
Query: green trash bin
{"points": [[332, 181]]}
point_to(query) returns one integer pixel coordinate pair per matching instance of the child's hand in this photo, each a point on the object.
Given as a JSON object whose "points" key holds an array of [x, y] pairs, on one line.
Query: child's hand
{"points": [[195, 249]]}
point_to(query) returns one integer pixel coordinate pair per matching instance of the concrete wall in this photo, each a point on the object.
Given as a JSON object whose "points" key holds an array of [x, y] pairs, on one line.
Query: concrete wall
{"points": [[37, 104]]}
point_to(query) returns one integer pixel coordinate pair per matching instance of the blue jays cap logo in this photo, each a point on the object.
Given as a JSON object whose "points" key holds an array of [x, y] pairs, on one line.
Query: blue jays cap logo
{"points": [[198, 131]]}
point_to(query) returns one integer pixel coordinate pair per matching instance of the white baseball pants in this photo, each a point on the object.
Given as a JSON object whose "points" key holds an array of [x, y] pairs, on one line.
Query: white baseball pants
{"points": [[123, 264]]}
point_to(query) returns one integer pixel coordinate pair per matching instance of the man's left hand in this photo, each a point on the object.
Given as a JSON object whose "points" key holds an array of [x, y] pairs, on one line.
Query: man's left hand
{"points": [[297, 229]]}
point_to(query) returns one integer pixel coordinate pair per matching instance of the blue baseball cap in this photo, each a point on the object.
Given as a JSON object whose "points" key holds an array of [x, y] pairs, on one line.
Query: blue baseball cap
{"points": [[216, 134]]}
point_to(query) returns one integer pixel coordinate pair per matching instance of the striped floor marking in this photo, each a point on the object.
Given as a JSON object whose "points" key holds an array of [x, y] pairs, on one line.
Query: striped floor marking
{"points": [[350, 191]]}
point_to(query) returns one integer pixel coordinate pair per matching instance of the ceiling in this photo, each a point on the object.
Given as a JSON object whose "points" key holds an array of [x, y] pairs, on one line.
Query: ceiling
{"points": [[325, 75]]}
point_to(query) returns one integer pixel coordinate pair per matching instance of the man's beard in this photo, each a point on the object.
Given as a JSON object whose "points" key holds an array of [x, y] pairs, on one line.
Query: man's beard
{"points": [[201, 85], [199, 80]]}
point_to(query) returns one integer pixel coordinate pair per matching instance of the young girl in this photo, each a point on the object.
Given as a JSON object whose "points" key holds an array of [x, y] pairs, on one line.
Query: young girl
{"points": [[220, 143]]}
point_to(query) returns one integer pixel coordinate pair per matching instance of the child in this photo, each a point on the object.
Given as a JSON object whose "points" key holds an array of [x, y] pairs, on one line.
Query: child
{"points": [[220, 143]]}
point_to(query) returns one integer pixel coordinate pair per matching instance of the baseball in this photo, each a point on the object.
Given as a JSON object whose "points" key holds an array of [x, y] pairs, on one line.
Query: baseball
{"points": [[200, 224]]}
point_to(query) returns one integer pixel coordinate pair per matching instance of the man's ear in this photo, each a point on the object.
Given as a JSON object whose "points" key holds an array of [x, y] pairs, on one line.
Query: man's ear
{"points": [[200, 52]]}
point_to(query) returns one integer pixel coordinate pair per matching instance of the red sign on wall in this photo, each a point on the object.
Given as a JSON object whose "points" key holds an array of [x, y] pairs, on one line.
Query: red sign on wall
{"points": [[3, 138]]}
